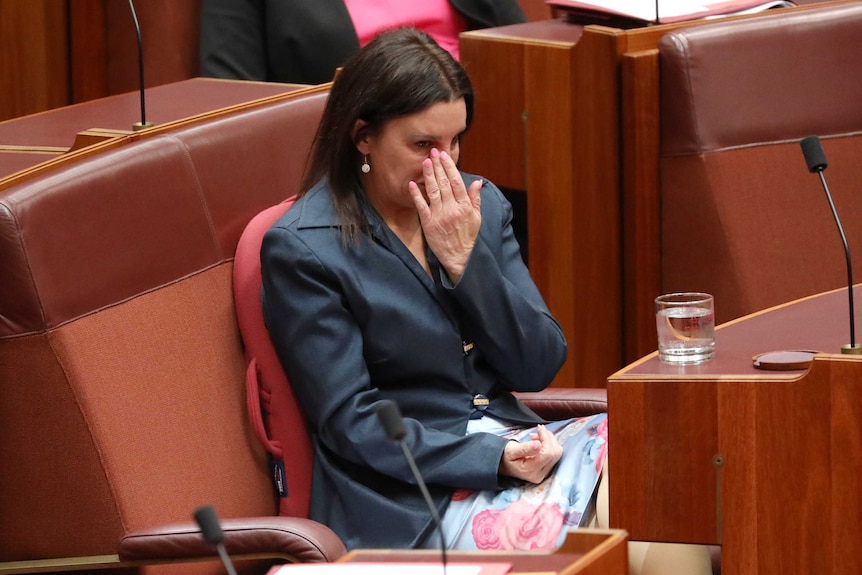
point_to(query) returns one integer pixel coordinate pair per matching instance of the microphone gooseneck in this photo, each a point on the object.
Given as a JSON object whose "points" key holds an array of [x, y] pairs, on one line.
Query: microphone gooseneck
{"points": [[144, 123], [212, 533], [392, 422], [816, 160]]}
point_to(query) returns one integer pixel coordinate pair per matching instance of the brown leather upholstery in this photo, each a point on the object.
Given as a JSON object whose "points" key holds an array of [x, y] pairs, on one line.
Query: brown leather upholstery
{"points": [[741, 216], [121, 365]]}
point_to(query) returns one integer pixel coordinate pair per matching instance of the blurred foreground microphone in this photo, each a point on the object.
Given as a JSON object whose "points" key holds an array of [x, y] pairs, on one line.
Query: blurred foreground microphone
{"points": [[212, 533], [393, 424], [143, 124], [816, 160]]}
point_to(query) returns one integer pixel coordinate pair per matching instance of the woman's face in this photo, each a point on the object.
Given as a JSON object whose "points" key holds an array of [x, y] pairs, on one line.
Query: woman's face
{"points": [[396, 152]]}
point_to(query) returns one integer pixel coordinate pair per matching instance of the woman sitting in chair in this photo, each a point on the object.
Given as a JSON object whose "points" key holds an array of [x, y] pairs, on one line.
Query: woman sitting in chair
{"points": [[397, 277]]}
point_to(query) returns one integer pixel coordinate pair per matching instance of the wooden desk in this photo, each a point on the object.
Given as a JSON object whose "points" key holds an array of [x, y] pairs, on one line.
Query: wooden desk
{"points": [[585, 552], [31, 140], [569, 114], [765, 463]]}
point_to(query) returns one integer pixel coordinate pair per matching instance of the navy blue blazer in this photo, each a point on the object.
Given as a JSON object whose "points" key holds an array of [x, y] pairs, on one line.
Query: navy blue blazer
{"points": [[301, 41], [356, 324]]}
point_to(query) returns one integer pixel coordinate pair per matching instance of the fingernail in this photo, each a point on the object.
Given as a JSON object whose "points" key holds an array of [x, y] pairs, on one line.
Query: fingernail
{"points": [[444, 155], [435, 152], [426, 162]]}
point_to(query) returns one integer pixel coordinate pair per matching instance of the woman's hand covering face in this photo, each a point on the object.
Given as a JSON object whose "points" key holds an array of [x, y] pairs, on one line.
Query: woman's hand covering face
{"points": [[450, 216]]}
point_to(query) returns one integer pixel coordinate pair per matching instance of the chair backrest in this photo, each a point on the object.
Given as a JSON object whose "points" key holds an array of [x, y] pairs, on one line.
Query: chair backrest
{"points": [[741, 216], [122, 404], [276, 417]]}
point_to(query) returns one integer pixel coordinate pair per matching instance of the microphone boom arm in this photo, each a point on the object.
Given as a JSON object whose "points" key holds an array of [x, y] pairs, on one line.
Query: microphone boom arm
{"points": [[846, 255], [427, 495]]}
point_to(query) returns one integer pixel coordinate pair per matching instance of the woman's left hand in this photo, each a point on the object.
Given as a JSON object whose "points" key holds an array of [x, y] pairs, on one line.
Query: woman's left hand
{"points": [[532, 460], [450, 216]]}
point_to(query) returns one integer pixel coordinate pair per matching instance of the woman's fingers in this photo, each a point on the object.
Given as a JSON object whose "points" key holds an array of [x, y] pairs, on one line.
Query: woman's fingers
{"points": [[432, 186], [442, 176], [534, 459], [453, 178], [419, 200]]}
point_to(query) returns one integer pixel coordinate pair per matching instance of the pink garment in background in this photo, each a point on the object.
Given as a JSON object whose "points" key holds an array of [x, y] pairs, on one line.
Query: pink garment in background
{"points": [[436, 17]]}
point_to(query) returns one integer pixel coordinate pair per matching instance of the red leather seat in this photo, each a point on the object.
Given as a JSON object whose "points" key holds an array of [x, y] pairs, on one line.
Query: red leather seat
{"points": [[121, 363]]}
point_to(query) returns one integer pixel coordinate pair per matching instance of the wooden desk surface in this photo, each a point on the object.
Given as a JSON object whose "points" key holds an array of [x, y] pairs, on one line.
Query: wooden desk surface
{"points": [[818, 323], [30, 140], [584, 552]]}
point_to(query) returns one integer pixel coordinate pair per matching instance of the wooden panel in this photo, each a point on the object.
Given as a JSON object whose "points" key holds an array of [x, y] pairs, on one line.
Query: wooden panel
{"points": [[568, 163], [641, 233], [89, 64], [595, 241], [766, 463], [550, 197], [105, 49], [494, 145], [662, 483], [770, 500], [170, 30], [584, 552], [33, 56], [846, 448]]}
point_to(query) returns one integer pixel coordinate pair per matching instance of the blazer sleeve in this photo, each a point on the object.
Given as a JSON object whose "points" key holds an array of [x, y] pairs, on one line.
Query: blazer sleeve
{"points": [[321, 349], [233, 40], [508, 318], [489, 13], [275, 40]]}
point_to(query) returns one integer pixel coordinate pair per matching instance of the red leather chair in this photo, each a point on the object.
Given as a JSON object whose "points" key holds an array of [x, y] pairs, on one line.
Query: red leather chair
{"points": [[741, 216], [122, 374]]}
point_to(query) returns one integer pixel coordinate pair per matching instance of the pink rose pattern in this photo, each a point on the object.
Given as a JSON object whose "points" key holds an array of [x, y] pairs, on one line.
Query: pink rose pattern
{"points": [[533, 517], [486, 530], [602, 431], [522, 526]]}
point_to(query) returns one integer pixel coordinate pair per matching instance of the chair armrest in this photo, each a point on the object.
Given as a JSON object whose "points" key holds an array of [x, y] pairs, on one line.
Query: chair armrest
{"points": [[556, 403], [295, 539]]}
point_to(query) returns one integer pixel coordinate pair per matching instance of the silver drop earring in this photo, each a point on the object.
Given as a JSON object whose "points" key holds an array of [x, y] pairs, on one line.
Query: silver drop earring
{"points": [[366, 167]]}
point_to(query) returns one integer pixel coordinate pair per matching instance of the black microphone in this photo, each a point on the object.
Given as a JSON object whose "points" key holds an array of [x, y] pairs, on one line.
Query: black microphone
{"points": [[816, 160], [143, 124], [212, 533], [393, 424]]}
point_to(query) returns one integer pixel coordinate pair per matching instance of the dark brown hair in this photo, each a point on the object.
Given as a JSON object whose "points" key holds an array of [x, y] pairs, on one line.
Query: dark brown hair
{"points": [[401, 72]]}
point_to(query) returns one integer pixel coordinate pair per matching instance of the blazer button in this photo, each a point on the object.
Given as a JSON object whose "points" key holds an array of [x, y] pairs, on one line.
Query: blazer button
{"points": [[479, 403]]}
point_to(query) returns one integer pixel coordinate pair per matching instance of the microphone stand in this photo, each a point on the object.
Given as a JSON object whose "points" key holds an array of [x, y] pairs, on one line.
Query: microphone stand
{"points": [[143, 123], [393, 424], [428, 501], [212, 533], [816, 160], [853, 348]]}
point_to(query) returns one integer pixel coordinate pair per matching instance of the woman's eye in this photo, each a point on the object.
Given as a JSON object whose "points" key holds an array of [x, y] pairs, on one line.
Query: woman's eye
{"points": [[423, 145]]}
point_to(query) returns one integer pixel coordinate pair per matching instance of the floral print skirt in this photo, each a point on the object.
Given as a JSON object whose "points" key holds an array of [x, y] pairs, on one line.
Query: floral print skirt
{"points": [[529, 516]]}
